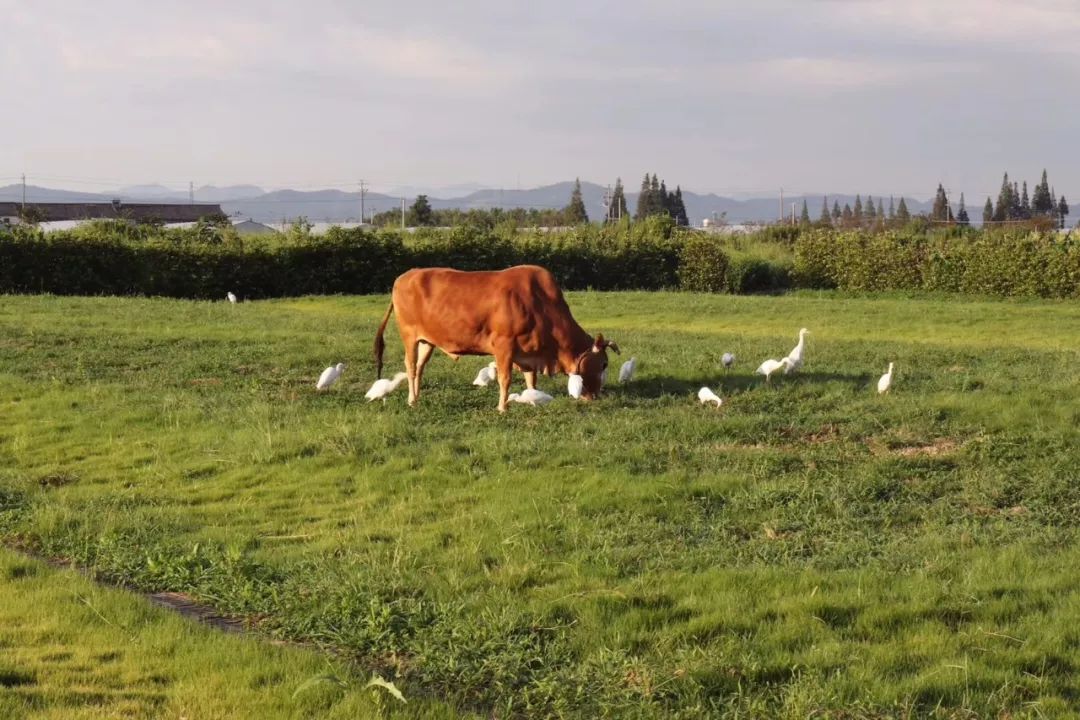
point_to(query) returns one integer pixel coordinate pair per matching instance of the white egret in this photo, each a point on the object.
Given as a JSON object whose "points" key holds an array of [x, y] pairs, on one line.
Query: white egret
{"points": [[330, 376], [705, 395], [485, 376], [531, 397], [768, 367], [231, 297], [575, 385], [728, 359], [885, 381], [381, 388], [626, 372], [796, 354]]}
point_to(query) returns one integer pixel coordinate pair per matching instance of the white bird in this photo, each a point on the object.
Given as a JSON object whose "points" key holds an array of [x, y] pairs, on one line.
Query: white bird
{"points": [[626, 372], [768, 367], [231, 297], [575, 385], [382, 388], [531, 397], [485, 376], [330, 376], [885, 381], [728, 360], [705, 395], [795, 356]]}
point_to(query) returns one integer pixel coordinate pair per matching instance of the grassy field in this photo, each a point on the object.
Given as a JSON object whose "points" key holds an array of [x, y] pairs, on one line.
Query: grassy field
{"points": [[809, 548]]}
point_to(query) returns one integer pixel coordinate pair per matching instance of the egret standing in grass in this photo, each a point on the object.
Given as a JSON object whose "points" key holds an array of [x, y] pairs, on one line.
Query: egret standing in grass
{"points": [[626, 372], [231, 297], [705, 395], [768, 367], [575, 385], [885, 381], [728, 360], [383, 387], [532, 396], [485, 376], [795, 357], [330, 376]]}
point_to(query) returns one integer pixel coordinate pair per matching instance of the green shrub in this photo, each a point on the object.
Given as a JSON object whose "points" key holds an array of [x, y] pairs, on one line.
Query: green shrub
{"points": [[703, 264]]}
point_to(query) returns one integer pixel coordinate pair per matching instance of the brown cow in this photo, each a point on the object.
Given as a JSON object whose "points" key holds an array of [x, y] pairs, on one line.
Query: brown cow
{"points": [[518, 315]]}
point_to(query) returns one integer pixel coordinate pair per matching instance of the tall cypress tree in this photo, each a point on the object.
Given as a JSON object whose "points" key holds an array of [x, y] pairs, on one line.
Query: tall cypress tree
{"points": [[940, 211], [1004, 201], [1062, 210], [1025, 203], [1041, 201], [1014, 207], [836, 211], [575, 213], [825, 218], [962, 213], [678, 208], [881, 213], [643, 201], [856, 212], [892, 210], [988, 211], [804, 217], [871, 210], [848, 216], [902, 214], [617, 209]]}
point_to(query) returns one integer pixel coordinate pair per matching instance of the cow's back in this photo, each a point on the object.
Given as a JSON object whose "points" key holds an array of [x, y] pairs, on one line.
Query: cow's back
{"points": [[466, 312]]}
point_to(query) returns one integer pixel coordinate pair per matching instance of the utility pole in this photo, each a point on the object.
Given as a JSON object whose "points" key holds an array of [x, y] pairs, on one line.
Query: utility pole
{"points": [[792, 213], [607, 204], [781, 204], [362, 191]]}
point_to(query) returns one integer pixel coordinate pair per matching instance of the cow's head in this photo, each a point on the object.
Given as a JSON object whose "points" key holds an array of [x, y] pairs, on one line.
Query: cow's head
{"points": [[591, 365]]}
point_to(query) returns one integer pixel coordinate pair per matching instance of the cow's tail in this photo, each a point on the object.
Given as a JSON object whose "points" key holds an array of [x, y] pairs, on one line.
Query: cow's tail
{"points": [[380, 344]]}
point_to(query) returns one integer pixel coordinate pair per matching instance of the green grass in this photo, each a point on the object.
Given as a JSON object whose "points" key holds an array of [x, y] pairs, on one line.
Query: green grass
{"points": [[809, 548]]}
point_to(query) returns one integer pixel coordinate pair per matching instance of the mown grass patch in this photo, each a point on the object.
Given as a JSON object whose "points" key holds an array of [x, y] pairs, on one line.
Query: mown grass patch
{"points": [[809, 548]]}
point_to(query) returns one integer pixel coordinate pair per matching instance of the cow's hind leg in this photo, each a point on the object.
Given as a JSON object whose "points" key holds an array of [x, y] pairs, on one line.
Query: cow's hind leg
{"points": [[504, 366], [410, 368], [530, 378], [423, 354]]}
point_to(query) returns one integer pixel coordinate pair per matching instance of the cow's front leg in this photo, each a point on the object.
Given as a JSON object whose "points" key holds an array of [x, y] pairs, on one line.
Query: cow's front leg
{"points": [[503, 367], [410, 369]]}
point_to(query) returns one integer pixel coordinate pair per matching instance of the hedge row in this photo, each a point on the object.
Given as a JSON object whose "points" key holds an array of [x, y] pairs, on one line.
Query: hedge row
{"points": [[204, 262], [985, 263]]}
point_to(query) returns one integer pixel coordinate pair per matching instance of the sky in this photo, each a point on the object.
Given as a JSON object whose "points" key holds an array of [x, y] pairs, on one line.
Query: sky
{"points": [[873, 96]]}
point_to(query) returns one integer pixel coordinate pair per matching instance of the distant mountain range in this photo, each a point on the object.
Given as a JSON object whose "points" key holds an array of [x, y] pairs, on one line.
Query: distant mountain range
{"points": [[249, 201]]}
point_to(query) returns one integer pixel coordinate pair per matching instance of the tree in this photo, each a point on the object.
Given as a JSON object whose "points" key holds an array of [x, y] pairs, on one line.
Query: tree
{"points": [[1042, 202], [848, 216], [1014, 207], [892, 210], [666, 199], [902, 214], [678, 208], [871, 211], [575, 213], [825, 218], [642, 210], [962, 213], [1063, 210], [836, 215], [804, 217], [1025, 203], [988, 211], [617, 209], [1004, 201], [420, 212], [856, 213], [881, 213]]}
